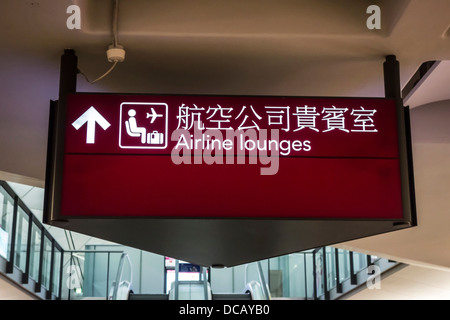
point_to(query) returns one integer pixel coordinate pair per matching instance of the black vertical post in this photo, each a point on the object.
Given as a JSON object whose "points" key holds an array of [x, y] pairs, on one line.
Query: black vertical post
{"points": [[410, 168], [369, 260], [107, 278], [314, 276], [26, 274], [391, 68], [12, 249], [268, 275], [353, 279], [325, 275], [52, 270], [55, 148], [392, 89], [338, 275], [69, 287], [38, 284], [61, 264]]}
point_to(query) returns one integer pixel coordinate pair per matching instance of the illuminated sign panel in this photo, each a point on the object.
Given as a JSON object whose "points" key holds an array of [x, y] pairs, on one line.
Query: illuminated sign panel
{"points": [[230, 157]]}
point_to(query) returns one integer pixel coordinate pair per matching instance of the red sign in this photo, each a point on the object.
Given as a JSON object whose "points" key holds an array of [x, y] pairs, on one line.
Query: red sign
{"points": [[231, 157]]}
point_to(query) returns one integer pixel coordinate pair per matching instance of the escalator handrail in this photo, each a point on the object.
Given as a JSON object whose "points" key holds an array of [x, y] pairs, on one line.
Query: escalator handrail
{"points": [[206, 288], [262, 280], [255, 290], [119, 275]]}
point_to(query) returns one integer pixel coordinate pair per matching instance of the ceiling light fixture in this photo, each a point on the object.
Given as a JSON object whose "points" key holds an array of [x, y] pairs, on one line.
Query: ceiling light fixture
{"points": [[115, 52]]}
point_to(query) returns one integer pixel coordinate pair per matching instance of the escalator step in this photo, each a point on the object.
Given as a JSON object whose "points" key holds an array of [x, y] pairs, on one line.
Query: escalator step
{"points": [[231, 296], [134, 296]]}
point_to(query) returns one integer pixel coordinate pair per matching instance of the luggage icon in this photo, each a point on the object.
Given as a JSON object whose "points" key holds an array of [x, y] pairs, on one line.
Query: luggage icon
{"points": [[155, 137]]}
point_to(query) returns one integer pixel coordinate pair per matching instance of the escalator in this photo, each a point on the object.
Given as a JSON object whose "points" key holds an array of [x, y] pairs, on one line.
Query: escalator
{"points": [[213, 296], [318, 269], [144, 296], [232, 296], [253, 291], [191, 289]]}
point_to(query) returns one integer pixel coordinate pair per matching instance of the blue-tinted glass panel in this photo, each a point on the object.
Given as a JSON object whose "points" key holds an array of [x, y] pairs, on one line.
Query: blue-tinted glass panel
{"points": [[20, 249], [344, 264], [359, 261], [6, 218], [56, 271], [331, 267], [319, 276], [35, 251], [46, 263]]}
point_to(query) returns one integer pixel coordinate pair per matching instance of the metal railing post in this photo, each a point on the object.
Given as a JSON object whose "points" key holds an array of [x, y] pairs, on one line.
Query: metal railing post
{"points": [[61, 263], [205, 283], [263, 281], [26, 274], [52, 270], [177, 264], [107, 277], [338, 274], [68, 287]]}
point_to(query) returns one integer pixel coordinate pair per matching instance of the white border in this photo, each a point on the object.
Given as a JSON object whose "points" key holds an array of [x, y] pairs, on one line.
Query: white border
{"points": [[144, 103]]}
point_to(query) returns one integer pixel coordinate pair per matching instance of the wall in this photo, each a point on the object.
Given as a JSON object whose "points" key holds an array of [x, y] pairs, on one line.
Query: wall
{"points": [[428, 243]]}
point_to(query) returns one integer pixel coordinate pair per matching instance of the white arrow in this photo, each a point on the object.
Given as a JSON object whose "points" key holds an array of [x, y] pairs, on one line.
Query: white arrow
{"points": [[91, 116]]}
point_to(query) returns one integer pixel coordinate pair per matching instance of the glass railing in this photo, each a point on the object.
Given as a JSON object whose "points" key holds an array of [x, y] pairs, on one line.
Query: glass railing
{"points": [[33, 259], [324, 273], [92, 275]]}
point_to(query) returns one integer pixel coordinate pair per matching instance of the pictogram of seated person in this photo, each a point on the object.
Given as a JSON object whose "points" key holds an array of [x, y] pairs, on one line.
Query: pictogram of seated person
{"points": [[133, 129]]}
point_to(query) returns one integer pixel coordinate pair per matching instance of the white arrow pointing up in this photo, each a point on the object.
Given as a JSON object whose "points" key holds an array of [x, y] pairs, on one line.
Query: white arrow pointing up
{"points": [[91, 116]]}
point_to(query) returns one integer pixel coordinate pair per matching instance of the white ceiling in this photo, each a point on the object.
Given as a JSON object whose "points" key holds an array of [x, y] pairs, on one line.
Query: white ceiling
{"points": [[432, 87]]}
